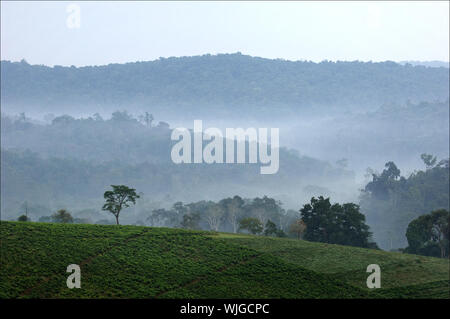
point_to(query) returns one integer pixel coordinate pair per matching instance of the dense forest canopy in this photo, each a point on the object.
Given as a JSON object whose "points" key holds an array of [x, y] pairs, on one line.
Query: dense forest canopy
{"points": [[391, 201], [220, 83]]}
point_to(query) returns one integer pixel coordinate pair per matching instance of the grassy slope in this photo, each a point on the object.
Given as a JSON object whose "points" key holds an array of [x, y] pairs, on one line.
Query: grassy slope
{"points": [[142, 262], [402, 275]]}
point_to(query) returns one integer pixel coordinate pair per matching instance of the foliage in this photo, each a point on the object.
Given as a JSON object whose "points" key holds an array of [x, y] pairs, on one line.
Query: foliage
{"points": [[190, 221], [215, 81], [380, 185], [390, 201], [223, 215], [428, 234], [140, 262], [120, 197], [429, 160], [403, 275], [253, 225], [234, 208], [62, 216], [270, 228], [335, 224]]}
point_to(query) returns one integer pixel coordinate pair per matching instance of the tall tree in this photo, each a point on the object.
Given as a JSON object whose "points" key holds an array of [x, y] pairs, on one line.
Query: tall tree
{"points": [[429, 234], [214, 216], [120, 197], [335, 224], [233, 207]]}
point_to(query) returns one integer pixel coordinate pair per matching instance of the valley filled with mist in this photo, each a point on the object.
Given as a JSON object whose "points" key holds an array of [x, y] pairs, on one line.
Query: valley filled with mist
{"points": [[68, 133]]}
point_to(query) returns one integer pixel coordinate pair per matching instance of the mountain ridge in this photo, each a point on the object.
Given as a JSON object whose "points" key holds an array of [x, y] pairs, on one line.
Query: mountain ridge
{"points": [[221, 84]]}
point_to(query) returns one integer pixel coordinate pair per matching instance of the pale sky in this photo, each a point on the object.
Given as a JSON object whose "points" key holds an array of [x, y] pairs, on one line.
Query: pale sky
{"points": [[118, 32]]}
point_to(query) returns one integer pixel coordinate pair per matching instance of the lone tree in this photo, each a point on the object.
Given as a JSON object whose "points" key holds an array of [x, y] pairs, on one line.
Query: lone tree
{"points": [[120, 197]]}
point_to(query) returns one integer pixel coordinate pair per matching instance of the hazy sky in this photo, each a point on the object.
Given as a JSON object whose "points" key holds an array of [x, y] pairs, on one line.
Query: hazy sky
{"points": [[47, 33]]}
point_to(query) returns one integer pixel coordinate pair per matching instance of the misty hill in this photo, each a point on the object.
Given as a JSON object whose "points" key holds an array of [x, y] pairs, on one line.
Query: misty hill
{"points": [[391, 201], [144, 262], [398, 133], [71, 162], [76, 184], [221, 84]]}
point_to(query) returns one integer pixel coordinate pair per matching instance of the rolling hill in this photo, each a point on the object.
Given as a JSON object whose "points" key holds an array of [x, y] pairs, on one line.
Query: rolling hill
{"points": [[144, 262], [223, 84]]}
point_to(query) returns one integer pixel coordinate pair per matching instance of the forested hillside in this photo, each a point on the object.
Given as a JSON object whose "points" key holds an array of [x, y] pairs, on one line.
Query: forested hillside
{"points": [[391, 201], [222, 84], [69, 163]]}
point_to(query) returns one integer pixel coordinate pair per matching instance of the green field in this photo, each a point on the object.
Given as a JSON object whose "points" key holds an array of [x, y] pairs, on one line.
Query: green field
{"points": [[144, 262]]}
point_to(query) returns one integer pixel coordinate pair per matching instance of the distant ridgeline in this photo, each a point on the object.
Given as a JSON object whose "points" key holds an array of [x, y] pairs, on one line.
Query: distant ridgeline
{"points": [[223, 82]]}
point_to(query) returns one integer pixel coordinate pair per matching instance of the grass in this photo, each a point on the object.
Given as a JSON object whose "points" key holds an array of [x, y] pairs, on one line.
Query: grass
{"points": [[399, 272], [144, 262]]}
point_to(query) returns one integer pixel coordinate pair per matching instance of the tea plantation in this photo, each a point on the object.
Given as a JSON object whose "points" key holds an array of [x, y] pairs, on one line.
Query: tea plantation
{"points": [[402, 275], [144, 262]]}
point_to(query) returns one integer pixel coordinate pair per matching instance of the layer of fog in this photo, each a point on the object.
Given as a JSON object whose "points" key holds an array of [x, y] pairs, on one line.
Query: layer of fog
{"points": [[353, 140], [350, 138]]}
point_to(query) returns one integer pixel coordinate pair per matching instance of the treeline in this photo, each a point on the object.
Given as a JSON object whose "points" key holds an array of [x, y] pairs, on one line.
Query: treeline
{"points": [[224, 215], [222, 82], [318, 221], [391, 201], [122, 137]]}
